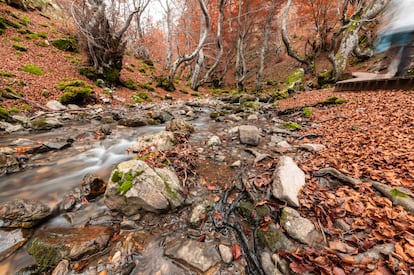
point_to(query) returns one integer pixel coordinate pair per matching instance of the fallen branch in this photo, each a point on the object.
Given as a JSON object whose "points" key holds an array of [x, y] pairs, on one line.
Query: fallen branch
{"points": [[398, 196], [221, 220], [27, 101], [338, 175]]}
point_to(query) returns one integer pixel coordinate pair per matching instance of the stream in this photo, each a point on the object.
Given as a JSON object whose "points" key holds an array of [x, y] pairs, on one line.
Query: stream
{"points": [[49, 176]]}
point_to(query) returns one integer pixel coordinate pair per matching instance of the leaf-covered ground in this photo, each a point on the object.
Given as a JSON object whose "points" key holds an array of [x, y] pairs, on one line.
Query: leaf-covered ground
{"points": [[370, 137]]}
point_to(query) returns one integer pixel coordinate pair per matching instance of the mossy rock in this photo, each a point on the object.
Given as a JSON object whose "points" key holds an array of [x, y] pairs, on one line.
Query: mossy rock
{"points": [[4, 114], [251, 212], [307, 111], [75, 91], [88, 72], [278, 95], [67, 44], [164, 83], [46, 256], [325, 79]]}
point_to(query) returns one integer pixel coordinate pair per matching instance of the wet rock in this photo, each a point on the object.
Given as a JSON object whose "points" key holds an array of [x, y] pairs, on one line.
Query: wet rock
{"points": [[233, 117], [162, 116], [253, 117], [10, 128], [288, 179], [62, 268], [199, 210], [162, 141], [93, 186], [8, 164], [134, 185], [180, 125], [249, 135], [226, 253], [201, 256], [23, 213], [21, 118], [299, 228], [50, 246], [23, 142], [274, 239], [312, 147], [133, 121], [49, 146], [45, 123], [213, 141], [11, 240], [55, 105]]}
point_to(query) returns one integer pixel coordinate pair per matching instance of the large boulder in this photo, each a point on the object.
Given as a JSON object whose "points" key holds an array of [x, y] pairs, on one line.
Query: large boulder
{"points": [[23, 213], [50, 246], [134, 185], [249, 135]]}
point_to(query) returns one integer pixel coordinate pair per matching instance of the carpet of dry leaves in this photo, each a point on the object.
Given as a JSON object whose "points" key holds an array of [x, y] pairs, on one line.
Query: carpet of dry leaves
{"points": [[370, 137]]}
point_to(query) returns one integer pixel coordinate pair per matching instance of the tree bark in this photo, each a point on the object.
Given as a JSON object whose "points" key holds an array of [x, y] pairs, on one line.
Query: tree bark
{"points": [[263, 50], [349, 32], [286, 41], [201, 42], [220, 21]]}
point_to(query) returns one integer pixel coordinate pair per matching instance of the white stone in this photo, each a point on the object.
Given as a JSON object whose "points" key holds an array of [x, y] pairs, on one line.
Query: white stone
{"points": [[288, 180]]}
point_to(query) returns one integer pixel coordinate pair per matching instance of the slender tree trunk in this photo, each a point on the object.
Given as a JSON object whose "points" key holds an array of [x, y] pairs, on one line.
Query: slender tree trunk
{"points": [[241, 70], [286, 41], [201, 42], [220, 21], [350, 35], [263, 50]]}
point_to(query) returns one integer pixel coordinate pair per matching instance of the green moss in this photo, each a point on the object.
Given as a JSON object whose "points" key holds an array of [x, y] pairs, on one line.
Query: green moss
{"points": [[16, 39], [25, 21], [251, 104], [146, 86], [67, 44], [196, 94], [74, 91], [20, 47], [46, 256], [293, 126], [325, 78], [141, 97], [4, 23], [116, 176], [125, 181], [32, 69], [307, 111], [3, 113], [88, 72], [278, 95], [6, 74], [397, 193], [164, 83], [333, 100], [130, 84], [31, 36]]}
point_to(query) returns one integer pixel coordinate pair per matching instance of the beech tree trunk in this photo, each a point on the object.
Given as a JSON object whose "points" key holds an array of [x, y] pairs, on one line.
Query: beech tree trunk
{"points": [[242, 30], [219, 38], [349, 34], [263, 50], [105, 44], [177, 63]]}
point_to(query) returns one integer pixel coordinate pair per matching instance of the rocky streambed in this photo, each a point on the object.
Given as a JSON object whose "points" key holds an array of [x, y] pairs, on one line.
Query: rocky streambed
{"points": [[198, 187]]}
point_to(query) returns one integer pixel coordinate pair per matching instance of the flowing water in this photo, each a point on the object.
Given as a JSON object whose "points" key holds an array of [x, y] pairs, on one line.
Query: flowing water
{"points": [[53, 174]]}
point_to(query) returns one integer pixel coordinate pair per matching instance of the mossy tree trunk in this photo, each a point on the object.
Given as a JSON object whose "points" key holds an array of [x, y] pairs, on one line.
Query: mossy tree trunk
{"points": [[104, 41], [348, 35]]}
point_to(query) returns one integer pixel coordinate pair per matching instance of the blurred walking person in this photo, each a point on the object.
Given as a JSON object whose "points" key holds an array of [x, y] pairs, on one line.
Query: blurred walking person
{"points": [[397, 35]]}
